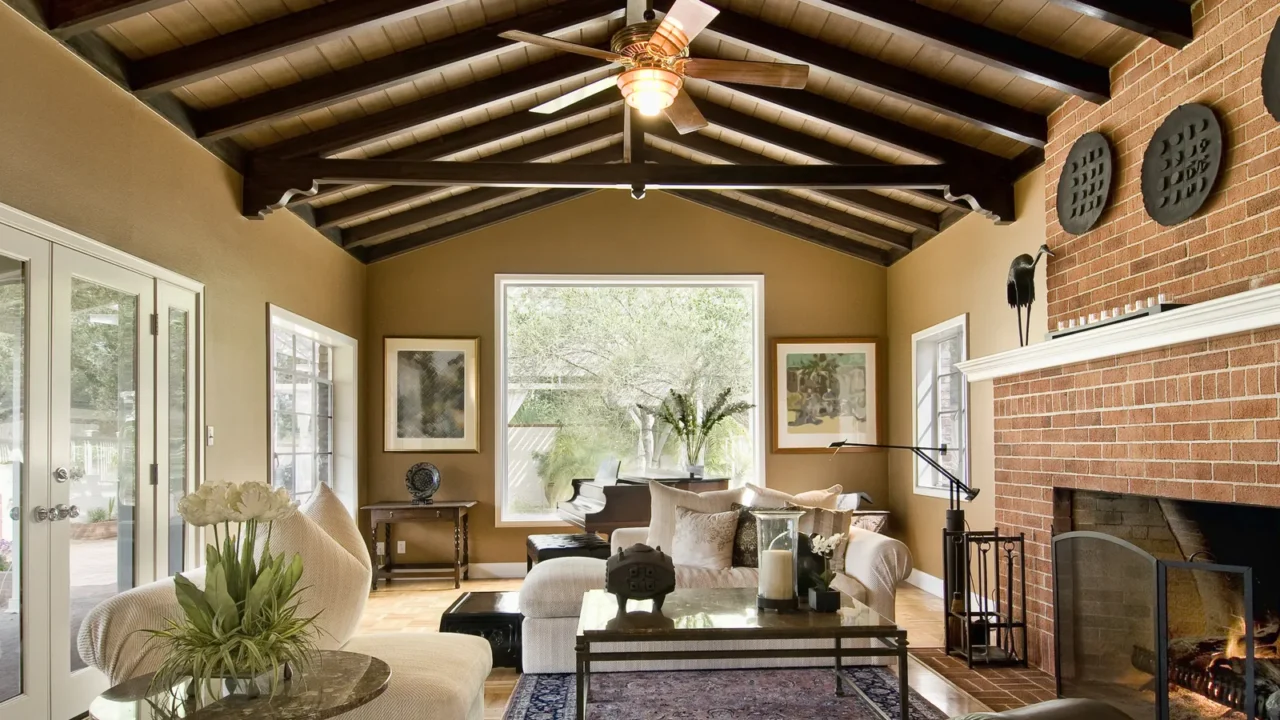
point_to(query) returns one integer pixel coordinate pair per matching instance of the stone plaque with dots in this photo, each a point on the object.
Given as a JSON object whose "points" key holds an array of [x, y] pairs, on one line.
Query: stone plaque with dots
{"points": [[1085, 186], [1182, 164], [1271, 74]]}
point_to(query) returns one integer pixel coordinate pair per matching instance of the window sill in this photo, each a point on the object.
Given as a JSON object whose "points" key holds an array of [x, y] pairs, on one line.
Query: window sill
{"points": [[937, 493], [531, 523]]}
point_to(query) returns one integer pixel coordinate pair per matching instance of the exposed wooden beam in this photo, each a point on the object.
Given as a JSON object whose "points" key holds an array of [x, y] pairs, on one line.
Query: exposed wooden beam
{"points": [[470, 223], [386, 198], [66, 18], [950, 100], [876, 235], [273, 38], [783, 224], [378, 126], [865, 200], [634, 125], [1168, 21], [388, 228], [980, 43], [397, 68], [803, 144]]}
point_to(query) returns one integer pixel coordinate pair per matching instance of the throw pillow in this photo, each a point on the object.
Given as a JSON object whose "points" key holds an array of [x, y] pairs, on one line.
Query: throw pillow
{"points": [[664, 500], [327, 510], [873, 520], [820, 521], [746, 539], [704, 540], [766, 498]]}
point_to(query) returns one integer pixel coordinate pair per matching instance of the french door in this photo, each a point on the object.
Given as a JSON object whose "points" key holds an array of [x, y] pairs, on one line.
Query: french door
{"points": [[97, 442]]}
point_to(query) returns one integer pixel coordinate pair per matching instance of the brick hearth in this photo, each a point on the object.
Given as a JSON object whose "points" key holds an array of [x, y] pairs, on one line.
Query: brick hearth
{"points": [[1200, 420]]}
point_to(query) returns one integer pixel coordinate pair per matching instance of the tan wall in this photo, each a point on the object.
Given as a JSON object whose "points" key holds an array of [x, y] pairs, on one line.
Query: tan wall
{"points": [[448, 290], [962, 270], [79, 152]]}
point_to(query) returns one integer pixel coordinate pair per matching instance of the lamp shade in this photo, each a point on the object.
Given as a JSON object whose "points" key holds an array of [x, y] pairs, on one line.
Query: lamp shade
{"points": [[650, 90]]}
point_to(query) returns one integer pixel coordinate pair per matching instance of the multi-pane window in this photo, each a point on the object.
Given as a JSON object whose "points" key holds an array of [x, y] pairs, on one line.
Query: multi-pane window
{"points": [[302, 412], [941, 402]]}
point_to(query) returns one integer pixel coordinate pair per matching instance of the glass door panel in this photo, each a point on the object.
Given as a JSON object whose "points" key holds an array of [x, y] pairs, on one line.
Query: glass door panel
{"points": [[103, 530], [176, 441]]}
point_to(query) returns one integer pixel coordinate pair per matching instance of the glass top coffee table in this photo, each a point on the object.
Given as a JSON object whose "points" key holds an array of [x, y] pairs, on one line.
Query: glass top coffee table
{"points": [[709, 615]]}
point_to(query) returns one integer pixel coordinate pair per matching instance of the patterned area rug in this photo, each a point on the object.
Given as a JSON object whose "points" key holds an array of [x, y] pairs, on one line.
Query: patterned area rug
{"points": [[801, 694]]}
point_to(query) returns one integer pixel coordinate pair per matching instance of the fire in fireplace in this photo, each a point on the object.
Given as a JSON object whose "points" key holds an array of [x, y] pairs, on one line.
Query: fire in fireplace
{"points": [[1168, 609]]}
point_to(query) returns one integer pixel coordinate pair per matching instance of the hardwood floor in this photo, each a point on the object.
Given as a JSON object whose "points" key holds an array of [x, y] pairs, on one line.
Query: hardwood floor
{"points": [[416, 606]]}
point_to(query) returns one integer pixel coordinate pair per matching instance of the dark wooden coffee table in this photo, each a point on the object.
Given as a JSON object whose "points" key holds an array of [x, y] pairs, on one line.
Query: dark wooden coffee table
{"points": [[708, 615], [494, 616]]}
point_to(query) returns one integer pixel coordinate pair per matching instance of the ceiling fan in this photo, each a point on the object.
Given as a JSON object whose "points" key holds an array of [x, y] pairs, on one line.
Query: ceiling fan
{"points": [[656, 59]]}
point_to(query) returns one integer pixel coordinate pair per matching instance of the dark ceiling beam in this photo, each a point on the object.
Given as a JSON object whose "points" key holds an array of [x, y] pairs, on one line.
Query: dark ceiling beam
{"points": [[1168, 21], [803, 144], [386, 198], [66, 18], [470, 223], [876, 235], [397, 68], [273, 38], [784, 225], [389, 228], [980, 43], [381, 125], [1007, 120], [885, 207]]}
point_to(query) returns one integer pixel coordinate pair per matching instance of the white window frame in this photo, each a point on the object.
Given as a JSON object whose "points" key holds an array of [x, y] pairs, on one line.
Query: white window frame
{"points": [[345, 372], [503, 281], [928, 437]]}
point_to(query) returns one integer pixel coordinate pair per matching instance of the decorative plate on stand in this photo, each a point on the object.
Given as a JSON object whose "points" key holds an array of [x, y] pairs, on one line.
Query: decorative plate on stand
{"points": [[422, 480]]}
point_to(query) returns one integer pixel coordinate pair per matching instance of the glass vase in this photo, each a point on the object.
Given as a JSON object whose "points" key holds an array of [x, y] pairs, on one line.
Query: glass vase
{"points": [[779, 559], [696, 465]]}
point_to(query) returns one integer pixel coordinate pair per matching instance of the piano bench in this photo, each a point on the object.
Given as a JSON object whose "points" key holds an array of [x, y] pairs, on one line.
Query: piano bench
{"points": [[546, 547]]}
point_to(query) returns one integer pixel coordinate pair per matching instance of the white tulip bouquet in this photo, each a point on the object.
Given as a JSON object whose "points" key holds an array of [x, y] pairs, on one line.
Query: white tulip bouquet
{"points": [[245, 623]]}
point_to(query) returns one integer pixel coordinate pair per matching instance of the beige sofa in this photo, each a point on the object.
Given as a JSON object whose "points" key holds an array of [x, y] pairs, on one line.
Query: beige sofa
{"points": [[433, 676], [1056, 710]]}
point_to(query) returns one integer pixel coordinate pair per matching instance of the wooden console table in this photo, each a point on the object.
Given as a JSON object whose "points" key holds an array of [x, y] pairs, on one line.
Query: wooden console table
{"points": [[390, 513]]}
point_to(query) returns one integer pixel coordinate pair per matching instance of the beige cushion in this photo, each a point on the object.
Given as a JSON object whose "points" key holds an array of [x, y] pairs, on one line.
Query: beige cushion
{"points": [[109, 637], [820, 521], [434, 676], [664, 500], [704, 539], [328, 512], [554, 588], [696, 577], [760, 497]]}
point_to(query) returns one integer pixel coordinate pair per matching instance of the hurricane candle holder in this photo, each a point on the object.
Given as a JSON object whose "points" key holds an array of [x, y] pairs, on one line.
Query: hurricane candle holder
{"points": [[779, 562]]}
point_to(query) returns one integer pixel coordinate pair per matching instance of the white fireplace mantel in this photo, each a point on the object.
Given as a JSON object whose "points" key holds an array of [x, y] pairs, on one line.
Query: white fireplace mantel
{"points": [[1239, 313]]}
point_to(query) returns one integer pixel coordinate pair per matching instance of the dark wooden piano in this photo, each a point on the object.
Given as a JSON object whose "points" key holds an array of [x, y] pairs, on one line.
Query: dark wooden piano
{"points": [[602, 507]]}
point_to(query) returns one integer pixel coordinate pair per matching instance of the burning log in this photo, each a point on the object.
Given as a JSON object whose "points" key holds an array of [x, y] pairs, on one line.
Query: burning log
{"points": [[1221, 679]]}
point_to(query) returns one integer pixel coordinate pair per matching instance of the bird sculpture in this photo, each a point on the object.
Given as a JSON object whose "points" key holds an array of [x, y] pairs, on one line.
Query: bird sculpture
{"points": [[1022, 288]]}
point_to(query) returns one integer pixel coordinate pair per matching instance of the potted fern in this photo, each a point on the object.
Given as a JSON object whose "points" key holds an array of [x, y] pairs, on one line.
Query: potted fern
{"points": [[242, 633], [680, 411]]}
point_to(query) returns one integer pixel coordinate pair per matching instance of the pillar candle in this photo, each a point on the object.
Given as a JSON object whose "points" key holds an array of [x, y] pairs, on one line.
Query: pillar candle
{"points": [[777, 575]]}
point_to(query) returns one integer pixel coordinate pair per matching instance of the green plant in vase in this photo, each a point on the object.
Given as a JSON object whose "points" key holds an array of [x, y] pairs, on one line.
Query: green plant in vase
{"points": [[242, 633], [680, 412]]}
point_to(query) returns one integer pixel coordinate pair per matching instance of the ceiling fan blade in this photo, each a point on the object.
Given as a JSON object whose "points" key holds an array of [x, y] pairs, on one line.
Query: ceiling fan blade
{"points": [[562, 45], [574, 96], [685, 115], [783, 75], [686, 19]]}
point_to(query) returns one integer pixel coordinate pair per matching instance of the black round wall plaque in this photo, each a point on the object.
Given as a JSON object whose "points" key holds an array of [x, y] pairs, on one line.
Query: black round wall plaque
{"points": [[1181, 164], [1085, 185], [1271, 74]]}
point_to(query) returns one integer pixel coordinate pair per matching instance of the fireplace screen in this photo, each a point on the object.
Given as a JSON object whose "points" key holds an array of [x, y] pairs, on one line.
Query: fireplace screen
{"points": [[1158, 639]]}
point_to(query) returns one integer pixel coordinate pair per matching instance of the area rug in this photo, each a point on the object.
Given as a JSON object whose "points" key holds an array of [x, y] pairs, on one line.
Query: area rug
{"points": [[800, 694]]}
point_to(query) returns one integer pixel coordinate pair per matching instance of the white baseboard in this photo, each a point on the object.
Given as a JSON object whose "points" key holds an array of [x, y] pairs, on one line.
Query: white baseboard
{"points": [[926, 582], [498, 571]]}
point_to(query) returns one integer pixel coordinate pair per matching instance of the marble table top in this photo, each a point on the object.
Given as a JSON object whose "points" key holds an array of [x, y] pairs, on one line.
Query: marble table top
{"points": [[333, 684]]}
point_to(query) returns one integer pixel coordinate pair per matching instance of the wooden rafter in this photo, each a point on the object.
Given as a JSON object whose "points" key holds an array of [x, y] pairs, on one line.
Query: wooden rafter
{"points": [[1007, 120], [978, 42], [386, 198], [394, 69], [67, 18], [1168, 21]]}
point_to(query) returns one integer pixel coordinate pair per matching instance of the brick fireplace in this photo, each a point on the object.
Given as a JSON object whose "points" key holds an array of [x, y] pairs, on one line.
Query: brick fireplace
{"points": [[1197, 420]]}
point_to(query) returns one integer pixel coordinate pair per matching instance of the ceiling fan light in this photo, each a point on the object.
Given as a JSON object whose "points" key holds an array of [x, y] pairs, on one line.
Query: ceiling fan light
{"points": [[650, 90]]}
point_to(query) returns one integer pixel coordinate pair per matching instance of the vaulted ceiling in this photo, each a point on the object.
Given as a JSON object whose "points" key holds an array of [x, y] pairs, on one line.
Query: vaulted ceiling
{"points": [[409, 118]]}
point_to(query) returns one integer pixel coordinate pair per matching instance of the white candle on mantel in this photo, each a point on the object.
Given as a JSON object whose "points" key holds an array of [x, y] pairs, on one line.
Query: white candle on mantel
{"points": [[777, 575]]}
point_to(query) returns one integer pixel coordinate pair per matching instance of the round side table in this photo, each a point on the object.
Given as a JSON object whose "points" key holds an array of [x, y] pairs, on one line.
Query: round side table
{"points": [[334, 683]]}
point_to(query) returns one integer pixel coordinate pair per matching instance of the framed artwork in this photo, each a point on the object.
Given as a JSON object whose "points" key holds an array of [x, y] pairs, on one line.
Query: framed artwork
{"points": [[431, 394], [824, 390]]}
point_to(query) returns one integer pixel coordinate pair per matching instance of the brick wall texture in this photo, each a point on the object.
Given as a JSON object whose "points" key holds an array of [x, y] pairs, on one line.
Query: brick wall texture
{"points": [[1199, 420]]}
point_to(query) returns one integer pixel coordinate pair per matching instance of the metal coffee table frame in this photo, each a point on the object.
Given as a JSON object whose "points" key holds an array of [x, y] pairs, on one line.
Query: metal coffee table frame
{"points": [[895, 639]]}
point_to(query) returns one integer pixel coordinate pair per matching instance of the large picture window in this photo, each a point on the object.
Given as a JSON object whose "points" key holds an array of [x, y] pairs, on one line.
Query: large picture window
{"points": [[941, 402], [579, 360]]}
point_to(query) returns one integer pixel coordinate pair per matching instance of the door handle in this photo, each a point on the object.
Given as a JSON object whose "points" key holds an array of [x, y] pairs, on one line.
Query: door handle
{"points": [[62, 512], [41, 514], [61, 474]]}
